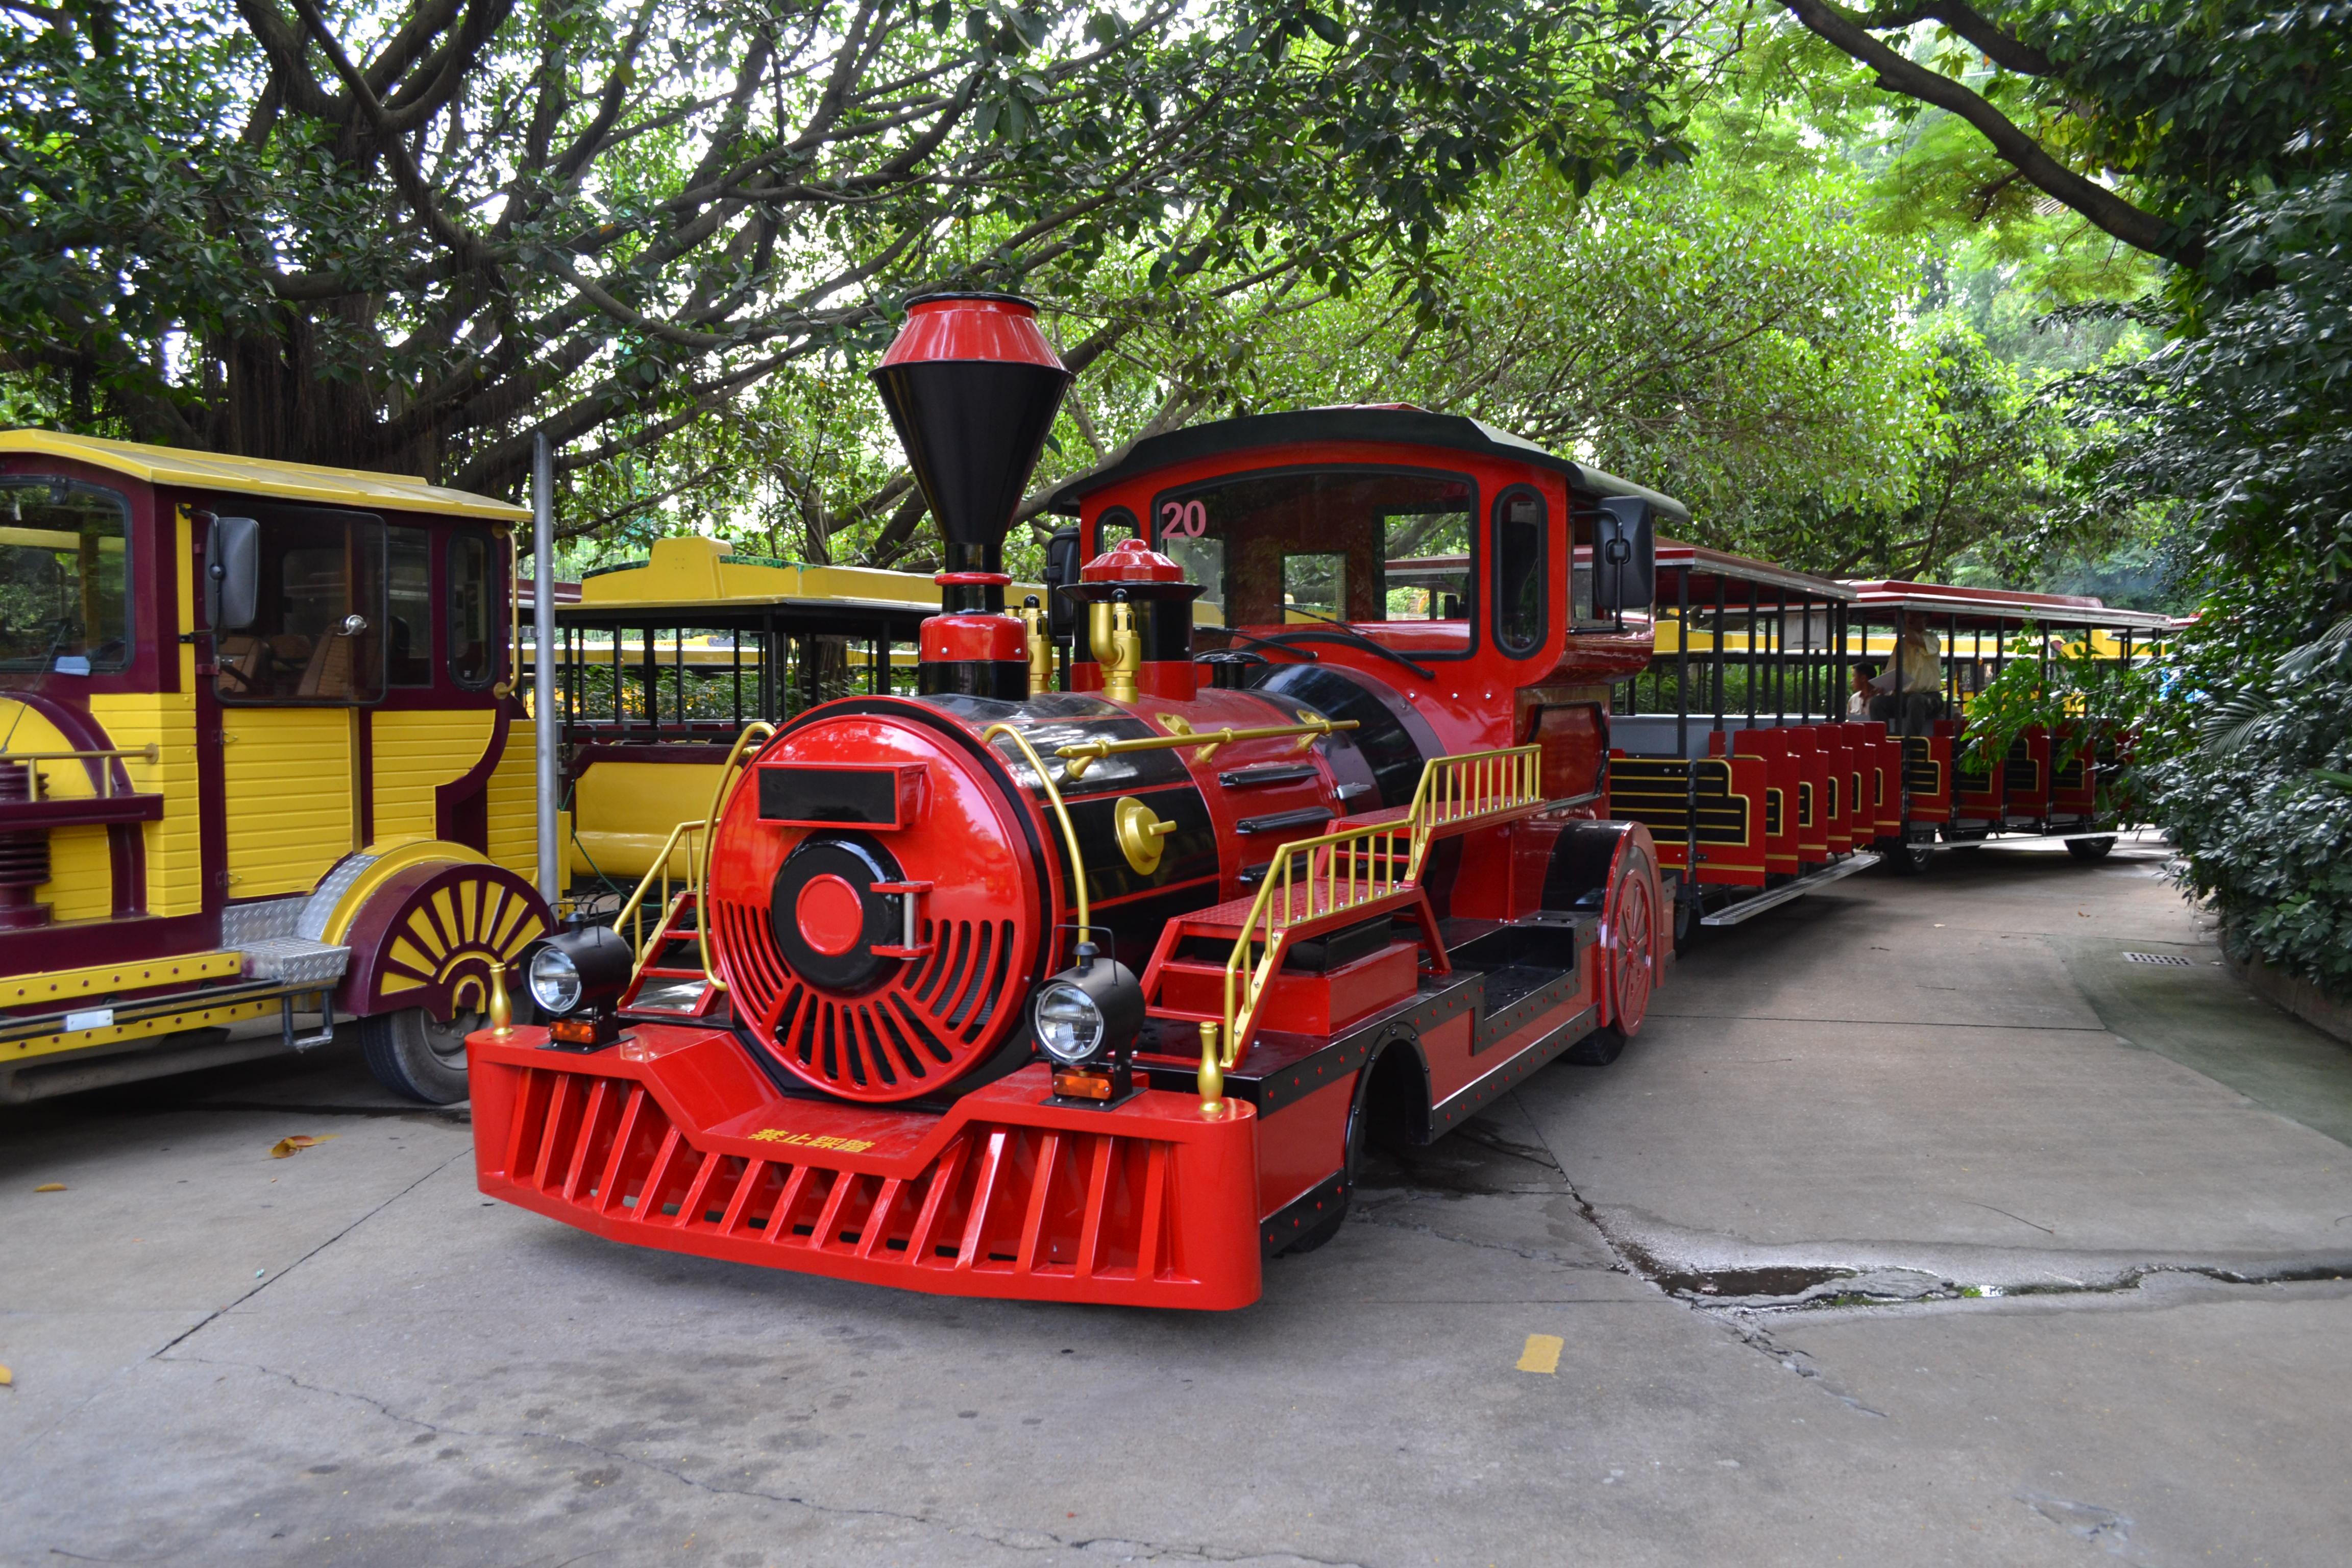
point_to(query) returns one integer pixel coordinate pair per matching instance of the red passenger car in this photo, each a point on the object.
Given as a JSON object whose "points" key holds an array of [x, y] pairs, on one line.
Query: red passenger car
{"points": [[1087, 974]]}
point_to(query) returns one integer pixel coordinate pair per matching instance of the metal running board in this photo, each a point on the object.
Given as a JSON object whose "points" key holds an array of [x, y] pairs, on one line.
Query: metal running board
{"points": [[2027, 840], [1861, 860]]}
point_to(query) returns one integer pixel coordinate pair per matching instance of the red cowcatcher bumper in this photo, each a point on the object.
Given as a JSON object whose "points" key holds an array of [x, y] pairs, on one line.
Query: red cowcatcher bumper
{"points": [[673, 1138]]}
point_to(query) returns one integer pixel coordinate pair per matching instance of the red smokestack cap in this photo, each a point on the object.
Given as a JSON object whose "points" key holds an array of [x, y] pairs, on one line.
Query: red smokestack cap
{"points": [[973, 387]]}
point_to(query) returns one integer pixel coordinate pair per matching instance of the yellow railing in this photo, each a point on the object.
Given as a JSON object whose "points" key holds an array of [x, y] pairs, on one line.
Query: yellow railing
{"points": [[1355, 866], [1311, 727], [696, 839], [1460, 789], [1344, 871], [665, 890]]}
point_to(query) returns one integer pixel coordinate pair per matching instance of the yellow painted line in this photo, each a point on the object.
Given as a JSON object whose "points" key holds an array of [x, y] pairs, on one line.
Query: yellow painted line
{"points": [[1542, 1355], [61, 985]]}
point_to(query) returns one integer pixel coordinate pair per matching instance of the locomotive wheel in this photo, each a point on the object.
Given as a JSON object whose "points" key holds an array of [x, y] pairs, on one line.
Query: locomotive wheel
{"points": [[412, 1053], [1629, 948], [2090, 849], [1597, 1049]]}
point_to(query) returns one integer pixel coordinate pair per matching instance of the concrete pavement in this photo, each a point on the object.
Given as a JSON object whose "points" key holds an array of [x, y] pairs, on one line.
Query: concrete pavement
{"points": [[416, 1377]]}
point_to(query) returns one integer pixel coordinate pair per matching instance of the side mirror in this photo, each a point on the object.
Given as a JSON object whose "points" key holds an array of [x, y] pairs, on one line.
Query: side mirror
{"points": [[1062, 565], [1624, 556], [232, 573]]}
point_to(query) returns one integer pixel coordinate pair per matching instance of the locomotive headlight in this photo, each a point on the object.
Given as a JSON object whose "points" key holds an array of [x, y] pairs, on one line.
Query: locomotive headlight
{"points": [[1088, 1011], [586, 967]]}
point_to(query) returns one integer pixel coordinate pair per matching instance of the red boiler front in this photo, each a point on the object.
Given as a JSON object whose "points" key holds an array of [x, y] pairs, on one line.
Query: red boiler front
{"points": [[877, 909]]}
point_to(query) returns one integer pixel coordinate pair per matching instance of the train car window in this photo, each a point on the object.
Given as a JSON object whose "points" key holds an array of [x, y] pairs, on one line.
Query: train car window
{"points": [[318, 631], [408, 651], [473, 628], [64, 577], [1348, 543], [1519, 528]]}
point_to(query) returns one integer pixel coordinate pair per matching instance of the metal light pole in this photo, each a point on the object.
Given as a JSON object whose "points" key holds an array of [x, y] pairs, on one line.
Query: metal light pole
{"points": [[542, 664]]}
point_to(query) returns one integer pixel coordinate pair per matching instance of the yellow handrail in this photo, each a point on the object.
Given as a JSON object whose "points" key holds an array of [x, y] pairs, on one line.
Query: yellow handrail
{"points": [[632, 915], [697, 865], [757, 732], [1349, 868], [1345, 871], [1084, 755], [1061, 814], [1471, 784]]}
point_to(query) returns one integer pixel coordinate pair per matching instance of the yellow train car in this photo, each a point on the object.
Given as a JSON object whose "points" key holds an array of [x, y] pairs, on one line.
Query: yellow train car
{"points": [[262, 765]]}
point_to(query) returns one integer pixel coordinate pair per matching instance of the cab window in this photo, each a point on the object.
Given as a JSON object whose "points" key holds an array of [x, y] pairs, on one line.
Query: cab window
{"points": [[1519, 526], [318, 631], [1307, 544], [64, 579], [473, 628], [408, 652]]}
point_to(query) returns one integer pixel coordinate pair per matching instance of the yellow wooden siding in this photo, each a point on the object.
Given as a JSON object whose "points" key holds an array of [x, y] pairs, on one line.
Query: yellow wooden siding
{"points": [[81, 875], [285, 775], [166, 721], [417, 751], [514, 807]]}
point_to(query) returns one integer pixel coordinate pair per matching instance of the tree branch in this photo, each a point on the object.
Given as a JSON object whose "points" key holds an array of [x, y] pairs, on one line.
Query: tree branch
{"points": [[2108, 212]]}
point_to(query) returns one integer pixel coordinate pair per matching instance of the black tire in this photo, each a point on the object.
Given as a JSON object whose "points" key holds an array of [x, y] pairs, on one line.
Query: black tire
{"points": [[1597, 1049], [1686, 926], [1907, 858], [1358, 1116], [2090, 849], [410, 1053]]}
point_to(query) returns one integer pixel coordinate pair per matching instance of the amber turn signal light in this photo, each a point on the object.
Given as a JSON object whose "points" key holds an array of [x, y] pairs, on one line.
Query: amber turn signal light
{"points": [[1072, 1085], [588, 1029]]}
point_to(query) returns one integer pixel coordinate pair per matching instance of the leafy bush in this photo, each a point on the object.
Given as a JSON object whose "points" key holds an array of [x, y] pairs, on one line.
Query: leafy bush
{"points": [[2248, 764]]}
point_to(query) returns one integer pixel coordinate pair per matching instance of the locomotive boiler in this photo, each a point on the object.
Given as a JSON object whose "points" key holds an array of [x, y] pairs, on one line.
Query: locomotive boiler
{"points": [[1087, 970]]}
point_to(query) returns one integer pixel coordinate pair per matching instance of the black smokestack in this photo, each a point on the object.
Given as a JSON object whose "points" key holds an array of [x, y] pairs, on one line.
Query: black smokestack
{"points": [[973, 387]]}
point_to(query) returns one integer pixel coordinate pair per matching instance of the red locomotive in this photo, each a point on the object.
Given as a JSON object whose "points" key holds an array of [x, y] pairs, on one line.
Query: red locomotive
{"points": [[1097, 992]]}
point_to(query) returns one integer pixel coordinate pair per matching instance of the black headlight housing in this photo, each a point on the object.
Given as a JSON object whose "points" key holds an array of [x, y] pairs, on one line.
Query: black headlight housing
{"points": [[1087, 1018], [576, 979]]}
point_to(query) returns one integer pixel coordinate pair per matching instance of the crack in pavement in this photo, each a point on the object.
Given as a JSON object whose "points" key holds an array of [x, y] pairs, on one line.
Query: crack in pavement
{"points": [[248, 1294], [1011, 1539]]}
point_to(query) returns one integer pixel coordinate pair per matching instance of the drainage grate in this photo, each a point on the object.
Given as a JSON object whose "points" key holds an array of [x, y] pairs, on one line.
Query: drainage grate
{"points": [[2173, 959]]}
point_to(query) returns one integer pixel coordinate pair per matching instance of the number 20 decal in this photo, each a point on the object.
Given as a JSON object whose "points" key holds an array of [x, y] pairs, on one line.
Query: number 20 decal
{"points": [[1183, 519]]}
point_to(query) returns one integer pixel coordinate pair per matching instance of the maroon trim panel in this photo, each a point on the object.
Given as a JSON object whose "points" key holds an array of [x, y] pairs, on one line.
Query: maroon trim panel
{"points": [[461, 811]]}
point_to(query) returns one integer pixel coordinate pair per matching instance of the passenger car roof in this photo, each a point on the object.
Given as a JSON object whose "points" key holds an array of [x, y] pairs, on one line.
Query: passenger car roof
{"points": [[262, 476]]}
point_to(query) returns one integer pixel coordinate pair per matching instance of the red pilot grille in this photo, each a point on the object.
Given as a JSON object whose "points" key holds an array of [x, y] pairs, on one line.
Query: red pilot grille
{"points": [[798, 911]]}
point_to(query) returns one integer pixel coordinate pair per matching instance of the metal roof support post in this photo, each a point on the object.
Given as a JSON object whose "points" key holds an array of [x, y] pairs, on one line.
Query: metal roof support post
{"points": [[542, 671], [1751, 655], [1682, 663], [1714, 660]]}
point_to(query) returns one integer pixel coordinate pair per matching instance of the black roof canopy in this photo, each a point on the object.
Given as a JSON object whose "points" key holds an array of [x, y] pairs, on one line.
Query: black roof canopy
{"points": [[1396, 426]]}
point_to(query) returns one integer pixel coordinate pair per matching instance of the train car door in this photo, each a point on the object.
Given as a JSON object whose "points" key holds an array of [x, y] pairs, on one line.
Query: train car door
{"points": [[291, 683]]}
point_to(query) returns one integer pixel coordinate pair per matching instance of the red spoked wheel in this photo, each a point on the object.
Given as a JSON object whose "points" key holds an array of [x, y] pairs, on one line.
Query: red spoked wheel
{"points": [[1630, 938], [1629, 949]]}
